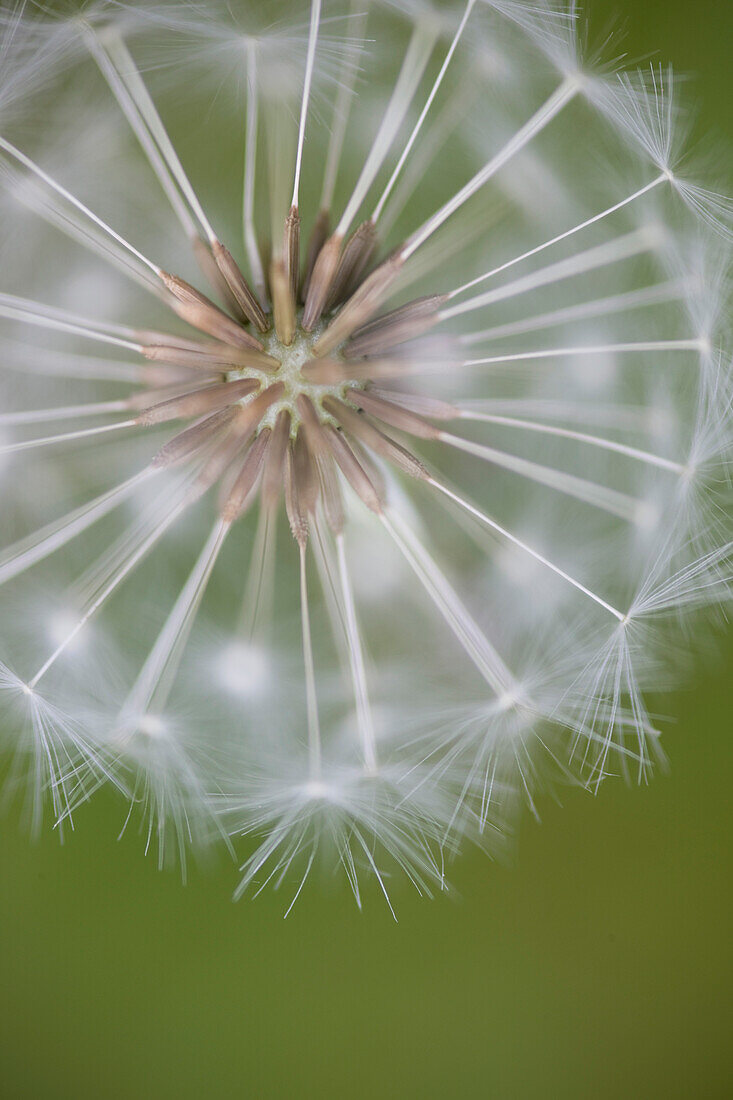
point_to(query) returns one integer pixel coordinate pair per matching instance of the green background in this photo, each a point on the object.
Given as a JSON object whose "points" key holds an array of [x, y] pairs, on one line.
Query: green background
{"points": [[599, 965]]}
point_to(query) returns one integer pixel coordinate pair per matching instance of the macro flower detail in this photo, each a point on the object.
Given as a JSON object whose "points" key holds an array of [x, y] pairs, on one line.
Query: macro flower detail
{"points": [[433, 290]]}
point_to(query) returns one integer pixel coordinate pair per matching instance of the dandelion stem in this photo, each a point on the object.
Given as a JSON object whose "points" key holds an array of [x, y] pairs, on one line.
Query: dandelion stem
{"points": [[314, 730], [552, 107], [55, 364], [580, 437], [424, 113], [307, 81], [599, 307], [84, 232], [31, 165], [417, 167], [257, 604], [131, 111], [24, 553], [356, 661], [413, 66], [614, 251], [142, 99], [589, 492], [64, 412], [561, 236], [66, 437], [620, 417], [597, 349], [342, 106], [494, 526], [164, 658], [250, 165], [123, 571], [469, 634], [43, 316]]}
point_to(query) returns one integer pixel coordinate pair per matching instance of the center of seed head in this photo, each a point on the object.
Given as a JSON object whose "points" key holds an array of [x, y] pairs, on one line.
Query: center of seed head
{"points": [[292, 358]]}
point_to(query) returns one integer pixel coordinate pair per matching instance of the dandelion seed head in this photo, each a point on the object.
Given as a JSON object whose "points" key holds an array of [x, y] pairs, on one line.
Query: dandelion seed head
{"points": [[378, 442]]}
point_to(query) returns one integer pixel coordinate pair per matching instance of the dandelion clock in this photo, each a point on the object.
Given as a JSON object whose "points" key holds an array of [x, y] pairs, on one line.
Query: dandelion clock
{"points": [[365, 428]]}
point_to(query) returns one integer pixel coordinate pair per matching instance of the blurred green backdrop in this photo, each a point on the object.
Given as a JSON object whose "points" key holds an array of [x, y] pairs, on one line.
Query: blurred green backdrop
{"points": [[598, 966]]}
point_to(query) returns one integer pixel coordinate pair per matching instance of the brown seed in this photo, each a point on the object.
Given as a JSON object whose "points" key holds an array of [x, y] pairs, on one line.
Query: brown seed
{"points": [[322, 277], [404, 323], [226, 450], [313, 429], [221, 327], [353, 263], [243, 423], [311, 424], [166, 339], [146, 399], [248, 416], [200, 311], [291, 251], [375, 440], [236, 501], [402, 419], [325, 372], [306, 474], [319, 234], [426, 355], [352, 469], [211, 272], [198, 402], [191, 440], [283, 303], [432, 407], [208, 356], [160, 376], [274, 471], [238, 286], [372, 471], [366, 370], [360, 307], [296, 511], [333, 505]]}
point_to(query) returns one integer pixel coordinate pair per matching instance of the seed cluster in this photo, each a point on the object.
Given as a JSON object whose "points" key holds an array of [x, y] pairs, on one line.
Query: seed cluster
{"points": [[278, 399]]}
